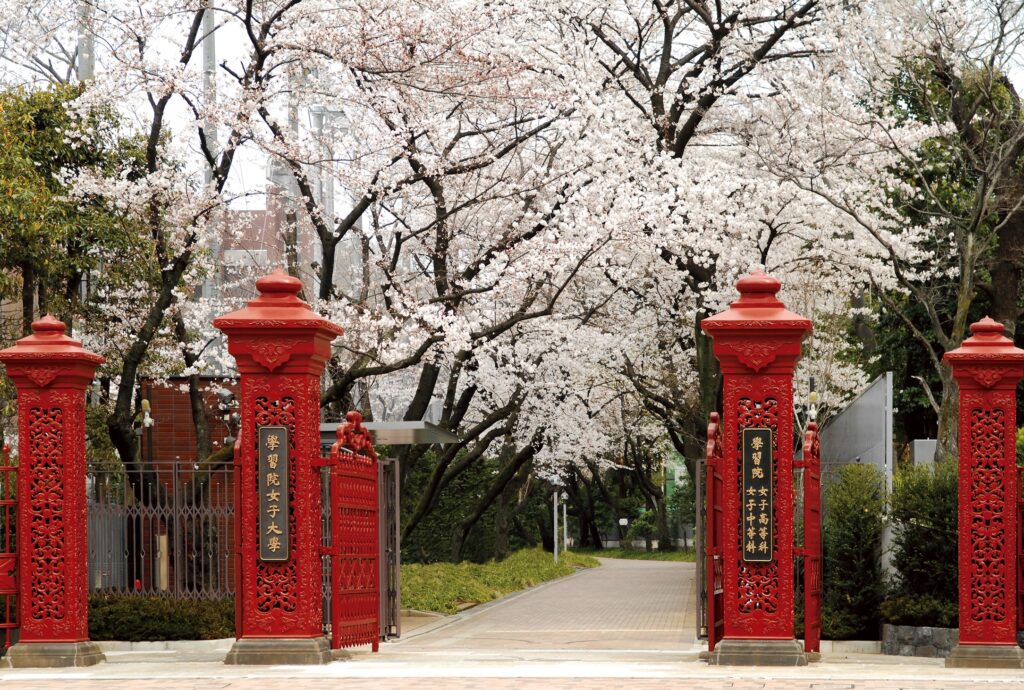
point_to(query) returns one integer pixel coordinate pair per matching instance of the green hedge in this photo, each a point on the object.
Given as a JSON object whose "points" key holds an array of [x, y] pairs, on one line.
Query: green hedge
{"points": [[924, 515], [136, 618], [852, 586]]}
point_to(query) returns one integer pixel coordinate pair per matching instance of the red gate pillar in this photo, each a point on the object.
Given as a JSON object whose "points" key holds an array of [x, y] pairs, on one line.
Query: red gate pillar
{"points": [[757, 340], [987, 368], [51, 372], [280, 346]]}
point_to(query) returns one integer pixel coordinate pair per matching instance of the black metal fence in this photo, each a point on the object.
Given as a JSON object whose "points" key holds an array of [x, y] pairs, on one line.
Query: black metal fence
{"points": [[161, 530]]}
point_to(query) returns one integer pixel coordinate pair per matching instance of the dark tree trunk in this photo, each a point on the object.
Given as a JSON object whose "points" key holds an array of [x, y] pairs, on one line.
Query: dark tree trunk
{"points": [[200, 423], [709, 380], [1006, 270], [501, 521]]}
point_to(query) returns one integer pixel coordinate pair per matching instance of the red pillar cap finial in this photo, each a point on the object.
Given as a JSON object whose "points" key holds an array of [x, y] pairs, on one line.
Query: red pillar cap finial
{"points": [[758, 283], [988, 342], [758, 290], [987, 326], [279, 283], [48, 325]]}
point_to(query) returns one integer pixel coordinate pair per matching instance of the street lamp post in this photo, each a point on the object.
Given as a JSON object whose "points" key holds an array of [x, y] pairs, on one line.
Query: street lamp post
{"points": [[565, 522], [554, 499]]}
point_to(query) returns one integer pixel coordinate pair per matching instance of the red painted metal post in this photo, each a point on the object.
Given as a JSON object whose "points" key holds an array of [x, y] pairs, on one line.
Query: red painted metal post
{"points": [[812, 539], [281, 347], [8, 547], [758, 342], [51, 372], [713, 531], [1020, 549], [987, 368]]}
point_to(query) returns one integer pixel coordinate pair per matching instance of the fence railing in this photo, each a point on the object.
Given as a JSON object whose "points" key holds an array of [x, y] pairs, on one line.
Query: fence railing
{"points": [[165, 529]]}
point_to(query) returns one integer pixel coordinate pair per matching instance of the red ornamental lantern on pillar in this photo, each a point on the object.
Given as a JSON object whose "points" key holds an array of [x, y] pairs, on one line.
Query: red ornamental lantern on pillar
{"points": [[51, 372], [758, 342], [281, 347], [987, 368]]}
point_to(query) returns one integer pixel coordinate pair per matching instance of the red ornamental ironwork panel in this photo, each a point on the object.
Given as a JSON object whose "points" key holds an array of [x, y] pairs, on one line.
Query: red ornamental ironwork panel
{"points": [[812, 539], [713, 531], [758, 583], [1020, 548], [760, 595], [355, 602], [988, 517], [281, 598], [46, 514], [277, 582], [989, 492], [52, 519]]}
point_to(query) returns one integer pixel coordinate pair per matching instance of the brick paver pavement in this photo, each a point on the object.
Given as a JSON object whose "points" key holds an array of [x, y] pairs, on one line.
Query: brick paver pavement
{"points": [[506, 684], [625, 626], [623, 605]]}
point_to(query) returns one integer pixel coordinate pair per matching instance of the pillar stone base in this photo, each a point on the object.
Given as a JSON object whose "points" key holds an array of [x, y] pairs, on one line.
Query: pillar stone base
{"points": [[985, 656], [258, 651], [54, 654], [758, 653]]}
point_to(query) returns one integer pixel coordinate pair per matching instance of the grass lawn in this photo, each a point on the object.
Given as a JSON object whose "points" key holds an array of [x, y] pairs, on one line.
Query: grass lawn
{"points": [[442, 587], [641, 555]]}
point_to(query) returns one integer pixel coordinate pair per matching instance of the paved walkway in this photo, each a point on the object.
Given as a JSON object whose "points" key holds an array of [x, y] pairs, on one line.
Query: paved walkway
{"points": [[625, 626], [646, 606]]}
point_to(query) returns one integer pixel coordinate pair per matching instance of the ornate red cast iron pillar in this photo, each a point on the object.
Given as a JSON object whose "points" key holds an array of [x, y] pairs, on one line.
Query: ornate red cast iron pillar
{"points": [[280, 346], [758, 341], [51, 372], [987, 368]]}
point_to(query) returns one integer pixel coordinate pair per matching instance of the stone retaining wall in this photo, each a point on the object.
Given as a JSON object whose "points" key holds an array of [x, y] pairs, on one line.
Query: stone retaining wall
{"points": [[907, 640]]}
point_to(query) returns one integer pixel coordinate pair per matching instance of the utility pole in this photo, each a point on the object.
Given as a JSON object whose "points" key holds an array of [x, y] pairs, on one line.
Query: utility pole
{"points": [[210, 126], [86, 44]]}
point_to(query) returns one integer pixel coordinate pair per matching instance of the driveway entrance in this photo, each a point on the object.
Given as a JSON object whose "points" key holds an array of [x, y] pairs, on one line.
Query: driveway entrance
{"points": [[624, 605]]}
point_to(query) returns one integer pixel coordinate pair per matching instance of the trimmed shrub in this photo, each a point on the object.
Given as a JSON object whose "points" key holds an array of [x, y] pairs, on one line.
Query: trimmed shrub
{"points": [[920, 610], [852, 587], [924, 515], [136, 619]]}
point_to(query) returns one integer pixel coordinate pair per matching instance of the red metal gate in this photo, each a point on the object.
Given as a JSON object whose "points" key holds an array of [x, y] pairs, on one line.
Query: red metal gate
{"points": [[812, 539], [713, 533], [8, 548], [1020, 548], [355, 603]]}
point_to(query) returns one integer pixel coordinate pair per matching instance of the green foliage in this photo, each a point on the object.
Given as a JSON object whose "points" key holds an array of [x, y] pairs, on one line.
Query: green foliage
{"points": [[134, 618], [924, 515], [42, 143], [443, 587], [852, 586], [683, 556], [682, 505], [643, 527], [920, 609], [100, 452]]}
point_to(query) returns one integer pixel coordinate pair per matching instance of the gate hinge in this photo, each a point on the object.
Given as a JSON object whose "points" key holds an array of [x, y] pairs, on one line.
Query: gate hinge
{"points": [[330, 550], [321, 461]]}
